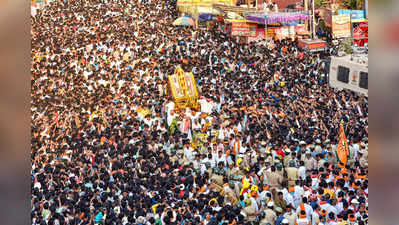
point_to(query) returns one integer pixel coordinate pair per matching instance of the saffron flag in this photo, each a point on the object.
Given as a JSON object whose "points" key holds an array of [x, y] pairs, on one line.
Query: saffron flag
{"points": [[342, 148]]}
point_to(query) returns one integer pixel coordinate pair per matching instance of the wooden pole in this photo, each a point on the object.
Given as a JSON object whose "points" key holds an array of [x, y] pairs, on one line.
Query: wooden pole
{"points": [[196, 17]]}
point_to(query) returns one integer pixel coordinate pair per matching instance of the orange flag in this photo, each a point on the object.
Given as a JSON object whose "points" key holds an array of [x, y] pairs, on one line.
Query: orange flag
{"points": [[342, 148]]}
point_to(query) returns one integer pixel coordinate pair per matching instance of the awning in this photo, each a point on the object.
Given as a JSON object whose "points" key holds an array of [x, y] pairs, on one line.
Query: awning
{"points": [[238, 21]]}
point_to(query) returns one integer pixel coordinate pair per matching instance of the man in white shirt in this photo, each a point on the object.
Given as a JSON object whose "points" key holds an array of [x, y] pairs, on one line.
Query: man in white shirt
{"points": [[189, 153], [305, 206], [220, 157], [329, 208], [302, 170]]}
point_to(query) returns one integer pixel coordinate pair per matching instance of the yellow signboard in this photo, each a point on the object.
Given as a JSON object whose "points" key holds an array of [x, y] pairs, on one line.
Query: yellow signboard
{"points": [[341, 26]]}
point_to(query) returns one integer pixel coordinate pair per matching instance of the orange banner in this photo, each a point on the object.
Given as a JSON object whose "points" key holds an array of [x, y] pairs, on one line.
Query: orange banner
{"points": [[342, 148]]}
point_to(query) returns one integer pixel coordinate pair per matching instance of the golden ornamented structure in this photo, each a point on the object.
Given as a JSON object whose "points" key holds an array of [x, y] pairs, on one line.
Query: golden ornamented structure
{"points": [[184, 89]]}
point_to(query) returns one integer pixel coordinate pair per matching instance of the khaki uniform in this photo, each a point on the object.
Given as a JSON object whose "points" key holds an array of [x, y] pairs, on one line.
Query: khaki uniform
{"points": [[291, 217], [274, 179], [237, 188], [270, 217], [230, 196], [217, 175], [250, 212], [280, 203], [280, 172], [292, 174]]}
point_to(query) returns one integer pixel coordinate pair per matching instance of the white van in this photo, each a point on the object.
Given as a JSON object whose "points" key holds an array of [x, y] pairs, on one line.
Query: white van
{"points": [[350, 72]]}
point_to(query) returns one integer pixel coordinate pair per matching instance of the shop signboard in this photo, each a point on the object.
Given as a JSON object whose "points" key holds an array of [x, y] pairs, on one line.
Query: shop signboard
{"points": [[300, 29], [243, 29], [341, 26], [356, 15], [312, 45]]}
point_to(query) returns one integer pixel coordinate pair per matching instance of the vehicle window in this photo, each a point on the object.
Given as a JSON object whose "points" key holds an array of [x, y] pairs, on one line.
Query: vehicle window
{"points": [[343, 74], [364, 80]]}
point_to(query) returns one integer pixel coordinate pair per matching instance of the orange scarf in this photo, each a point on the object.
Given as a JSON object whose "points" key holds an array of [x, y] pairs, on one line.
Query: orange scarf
{"points": [[236, 147]]}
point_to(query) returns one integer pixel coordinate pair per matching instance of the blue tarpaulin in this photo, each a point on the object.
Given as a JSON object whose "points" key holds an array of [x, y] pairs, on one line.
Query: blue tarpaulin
{"points": [[205, 16]]}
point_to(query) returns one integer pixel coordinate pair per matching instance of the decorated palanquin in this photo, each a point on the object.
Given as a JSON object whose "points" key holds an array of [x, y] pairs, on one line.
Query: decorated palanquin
{"points": [[184, 89]]}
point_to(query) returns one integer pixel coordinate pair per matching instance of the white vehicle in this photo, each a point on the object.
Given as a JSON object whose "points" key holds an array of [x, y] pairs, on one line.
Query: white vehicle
{"points": [[349, 72]]}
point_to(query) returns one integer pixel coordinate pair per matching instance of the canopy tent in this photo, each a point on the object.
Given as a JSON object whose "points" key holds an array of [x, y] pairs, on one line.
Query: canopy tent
{"points": [[183, 21], [234, 15], [280, 17], [210, 13], [206, 13]]}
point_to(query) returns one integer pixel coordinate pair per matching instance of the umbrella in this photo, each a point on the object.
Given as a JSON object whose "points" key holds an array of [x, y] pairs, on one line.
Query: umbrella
{"points": [[183, 21]]}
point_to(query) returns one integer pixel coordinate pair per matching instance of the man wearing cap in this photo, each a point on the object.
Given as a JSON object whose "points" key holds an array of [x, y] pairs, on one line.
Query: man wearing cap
{"points": [[218, 173], [280, 171], [290, 215], [278, 199], [287, 157], [249, 210], [274, 178], [318, 148], [286, 222], [269, 158], [279, 213], [270, 215], [292, 174]]}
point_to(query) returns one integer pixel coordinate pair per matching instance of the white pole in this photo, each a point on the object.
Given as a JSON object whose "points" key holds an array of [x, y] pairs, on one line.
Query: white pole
{"points": [[313, 21]]}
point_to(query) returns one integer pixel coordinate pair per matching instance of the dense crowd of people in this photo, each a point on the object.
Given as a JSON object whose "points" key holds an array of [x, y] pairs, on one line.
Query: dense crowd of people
{"points": [[109, 146]]}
